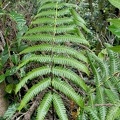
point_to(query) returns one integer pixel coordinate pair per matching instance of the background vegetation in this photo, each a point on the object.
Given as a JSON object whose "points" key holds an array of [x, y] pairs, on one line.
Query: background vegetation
{"points": [[59, 59]]}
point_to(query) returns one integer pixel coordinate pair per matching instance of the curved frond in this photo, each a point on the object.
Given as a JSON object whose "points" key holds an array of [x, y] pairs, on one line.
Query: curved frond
{"points": [[46, 29], [46, 20], [60, 13], [93, 113], [59, 107], [57, 60], [77, 17], [82, 117], [113, 96], [49, 1], [43, 84], [44, 106], [57, 49], [102, 65], [32, 74], [114, 64], [51, 5], [100, 99], [59, 71], [112, 112], [68, 91], [52, 30], [57, 39]]}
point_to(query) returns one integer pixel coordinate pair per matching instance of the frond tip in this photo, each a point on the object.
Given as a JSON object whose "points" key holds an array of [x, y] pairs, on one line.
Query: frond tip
{"points": [[44, 106], [59, 107]]}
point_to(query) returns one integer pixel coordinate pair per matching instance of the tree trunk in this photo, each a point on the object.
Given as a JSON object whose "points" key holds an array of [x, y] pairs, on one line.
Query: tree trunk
{"points": [[3, 101]]}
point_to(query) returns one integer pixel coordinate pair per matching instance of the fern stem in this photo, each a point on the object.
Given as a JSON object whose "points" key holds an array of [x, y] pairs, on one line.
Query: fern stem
{"points": [[52, 56]]}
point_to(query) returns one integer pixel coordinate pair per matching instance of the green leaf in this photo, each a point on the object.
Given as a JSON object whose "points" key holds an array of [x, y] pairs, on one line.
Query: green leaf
{"points": [[2, 78], [2, 12], [44, 106], [115, 26], [57, 49], [113, 111], [14, 58], [57, 39], [116, 3], [115, 48], [32, 74], [59, 107], [10, 112], [10, 71], [9, 88], [68, 91], [70, 75], [93, 113], [57, 60], [34, 90]]}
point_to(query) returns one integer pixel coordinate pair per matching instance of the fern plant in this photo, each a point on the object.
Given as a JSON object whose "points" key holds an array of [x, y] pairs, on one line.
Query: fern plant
{"points": [[53, 32], [103, 103]]}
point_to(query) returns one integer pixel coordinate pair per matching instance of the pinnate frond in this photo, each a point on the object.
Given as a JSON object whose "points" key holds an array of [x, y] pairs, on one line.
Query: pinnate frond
{"points": [[68, 91], [59, 107], [32, 74], [34, 90], [57, 60], [44, 106], [57, 49]]}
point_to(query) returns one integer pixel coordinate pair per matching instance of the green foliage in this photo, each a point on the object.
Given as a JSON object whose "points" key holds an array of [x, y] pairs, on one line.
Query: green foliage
{"points": [[116, 3], [52, 34], [10, 112], [44, 106], [115, 26], [103, 103]]}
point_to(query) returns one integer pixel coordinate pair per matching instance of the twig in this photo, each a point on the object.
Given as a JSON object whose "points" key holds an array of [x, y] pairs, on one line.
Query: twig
{"points": [[2, 38], [108, 104], [35, 104], [6, 5]]}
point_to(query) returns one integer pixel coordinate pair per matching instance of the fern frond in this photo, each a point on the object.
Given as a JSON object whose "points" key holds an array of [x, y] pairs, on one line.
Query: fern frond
{"points": [[44, 106], [49, 1], [59, 107], [102, 65], [55, 26], [61, 29], [60, 13], [100, 99], [113, 62], [82, 117], [57, 60], [68, 91], [77, 17], [96, 74], [57, 39], [46, 20], [99, 89], [93, 113], [59, 71], [116, 82], [34, 91], [80, 24], [113, 96], [56, 49], [51, 5], [10, 112], [32, 74], [112, 112]]}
